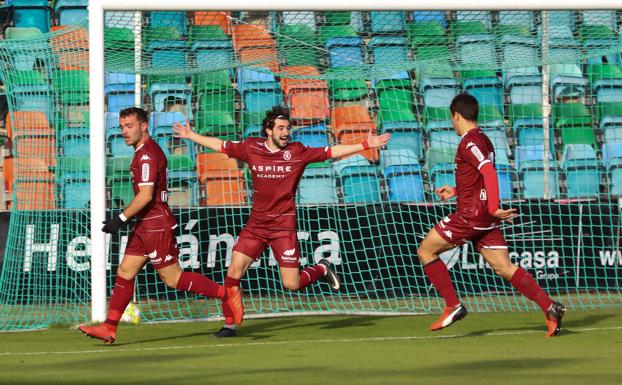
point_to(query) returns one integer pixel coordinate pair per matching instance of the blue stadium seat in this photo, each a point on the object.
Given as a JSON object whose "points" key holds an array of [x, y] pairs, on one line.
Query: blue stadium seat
{"points": [[521, 18], [440, 167], [389, 51], [69, 12], [444, 139], [317, 185], [531, 171], [345, 51], [424, 16], [74, 181], [582, 170], [119, 89], [299, 18], [74, 141], [211, 49], [258, 88], [312, 136], [403, 175], [163, 95], [522, 81], [437, 84], [404, 135], [500, 144], [612, 160], [613, 133], [169, 19], [387, 21], [161, 125], [32, 13], [358, 180]]}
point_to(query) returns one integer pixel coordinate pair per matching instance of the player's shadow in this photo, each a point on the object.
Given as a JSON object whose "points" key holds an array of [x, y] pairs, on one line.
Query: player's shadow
{"points": [[571, 320], [167, 338], [262, 330]]}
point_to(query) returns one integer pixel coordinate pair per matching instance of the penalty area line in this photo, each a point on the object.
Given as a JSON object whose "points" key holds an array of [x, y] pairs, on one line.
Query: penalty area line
{"points": [[295, 342]]}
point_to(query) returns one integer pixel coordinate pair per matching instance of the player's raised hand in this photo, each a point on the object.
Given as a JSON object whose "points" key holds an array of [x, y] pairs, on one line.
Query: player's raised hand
{"points": [[505, 215], [445, 192], [376, 141], [182, 131]]}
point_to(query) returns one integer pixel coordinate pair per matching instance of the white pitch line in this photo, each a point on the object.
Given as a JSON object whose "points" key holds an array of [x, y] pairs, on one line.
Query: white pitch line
{"points": [[295, 342]]}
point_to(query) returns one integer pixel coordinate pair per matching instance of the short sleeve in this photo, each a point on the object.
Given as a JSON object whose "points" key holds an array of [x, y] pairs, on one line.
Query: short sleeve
{"points": [[314, 154], [235, 149], [473, 153], [147, 169]]}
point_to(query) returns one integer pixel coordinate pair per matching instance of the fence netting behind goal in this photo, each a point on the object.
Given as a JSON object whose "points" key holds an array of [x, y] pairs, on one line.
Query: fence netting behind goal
{"points": [[549, 86]]}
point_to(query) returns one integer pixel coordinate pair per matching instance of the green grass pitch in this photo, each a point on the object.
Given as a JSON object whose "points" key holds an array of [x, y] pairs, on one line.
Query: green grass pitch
{"points": [[484, 348]]}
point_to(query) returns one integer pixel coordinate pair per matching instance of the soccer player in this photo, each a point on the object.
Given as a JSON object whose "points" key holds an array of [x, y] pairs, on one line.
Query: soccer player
{"points": [[477, 219], [152, 238], [277, 166]]}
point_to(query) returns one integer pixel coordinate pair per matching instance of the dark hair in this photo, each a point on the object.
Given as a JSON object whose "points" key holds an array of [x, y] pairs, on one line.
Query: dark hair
{"points": [[139, 113], [277, 112], [466, 105]]}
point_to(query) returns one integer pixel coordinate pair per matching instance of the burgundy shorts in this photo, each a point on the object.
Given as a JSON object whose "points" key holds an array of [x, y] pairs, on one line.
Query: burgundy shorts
{"points": [[159, 245], [284, 244], [457, 230]]}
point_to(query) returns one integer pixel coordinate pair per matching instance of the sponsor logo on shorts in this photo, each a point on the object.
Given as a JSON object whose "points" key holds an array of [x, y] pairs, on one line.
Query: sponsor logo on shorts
{"points": [[153, 254], [289, 252], [168, 258]]}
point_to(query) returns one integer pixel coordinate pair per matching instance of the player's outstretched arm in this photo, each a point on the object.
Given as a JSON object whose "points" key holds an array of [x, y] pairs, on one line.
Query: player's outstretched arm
{"points": [[373, 141], [185, 132], [445, 192]]}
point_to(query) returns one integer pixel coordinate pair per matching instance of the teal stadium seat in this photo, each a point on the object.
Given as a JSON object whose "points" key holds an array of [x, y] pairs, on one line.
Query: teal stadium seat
{"points": [[317, 185], [358, 180], [582, 170], [403, 175]]}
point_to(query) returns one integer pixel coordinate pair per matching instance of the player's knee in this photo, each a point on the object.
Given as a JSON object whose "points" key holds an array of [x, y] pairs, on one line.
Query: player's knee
{"points": [[124, 272], [505, 270], [170, 281], [291, 284]]}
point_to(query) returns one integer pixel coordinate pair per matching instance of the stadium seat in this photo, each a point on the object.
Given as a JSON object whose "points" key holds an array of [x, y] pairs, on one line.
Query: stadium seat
{"points": [[582, 170], [570, 115], [299, 18], [119, 89], [171, 96], [345, 47], [490, 117], [74, 141], [312, 136], [32, 13], [29, 50], [296, 43], [425, 33], [176, 20], [35, 194], [389, 51], [258, 88], [522, 80], [317, 185], [606, 82], [161, 125], [71, 86], [612, 160], [341, 18], [69, 12], [211, 47], [118, 181], [520, 18], [221, 19], [358, 180], [255, 45], [566, 81], [222, 183], [30, 92], [403, 175], [346, 83], [387, 21], [438, 17], [440, 168], [306, 95], [404, 135], [437, 83], [165, 47], [182, 181], [74, 180], [444, 139], [531, 171]]}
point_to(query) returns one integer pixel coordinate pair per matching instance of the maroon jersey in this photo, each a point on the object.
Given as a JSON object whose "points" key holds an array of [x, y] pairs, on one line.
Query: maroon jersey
{"points": [[149, 168], [474, 151], [275, 178]]}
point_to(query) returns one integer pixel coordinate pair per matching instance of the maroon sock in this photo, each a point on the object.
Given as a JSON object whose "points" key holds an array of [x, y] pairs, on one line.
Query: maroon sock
{"points": [[229, 282], [439, 276], [524, 283], [201, 285], [120, 298], [310, 274]]}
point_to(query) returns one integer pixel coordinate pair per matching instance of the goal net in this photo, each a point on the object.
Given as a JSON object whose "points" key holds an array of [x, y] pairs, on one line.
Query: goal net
{"points": [[549, 86]]}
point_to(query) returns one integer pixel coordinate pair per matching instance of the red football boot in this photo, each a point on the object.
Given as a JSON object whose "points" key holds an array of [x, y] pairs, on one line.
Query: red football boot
{"points": [[100, 332]]}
